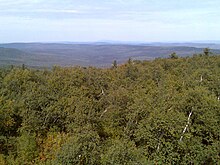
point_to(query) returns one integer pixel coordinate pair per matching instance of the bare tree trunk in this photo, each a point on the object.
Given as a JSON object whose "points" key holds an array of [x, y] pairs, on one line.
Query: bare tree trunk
{"points": [[104, 112], [187, 125], [158, 145], [201, 78]]}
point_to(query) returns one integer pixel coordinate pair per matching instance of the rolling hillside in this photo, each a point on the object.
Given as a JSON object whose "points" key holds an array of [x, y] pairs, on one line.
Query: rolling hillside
{"points": [[87, 54], [11, 56]]}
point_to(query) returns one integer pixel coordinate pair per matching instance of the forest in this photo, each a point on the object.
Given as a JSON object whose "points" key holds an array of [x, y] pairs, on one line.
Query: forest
{"points": [[162, 111]]}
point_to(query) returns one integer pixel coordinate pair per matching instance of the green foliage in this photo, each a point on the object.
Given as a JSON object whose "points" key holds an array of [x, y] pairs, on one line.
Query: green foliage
{"points": [[136, 113], [174, 56], [2, 159], [121, 152], [82, 148], [206, 51], [27, 148]]}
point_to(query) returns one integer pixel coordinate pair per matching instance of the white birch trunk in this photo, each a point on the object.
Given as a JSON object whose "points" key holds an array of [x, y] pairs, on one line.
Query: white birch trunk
{"points": [[187, 125]]}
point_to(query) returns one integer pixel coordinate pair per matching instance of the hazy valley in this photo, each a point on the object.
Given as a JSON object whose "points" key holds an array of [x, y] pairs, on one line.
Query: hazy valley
{"points": [[99, 54]]}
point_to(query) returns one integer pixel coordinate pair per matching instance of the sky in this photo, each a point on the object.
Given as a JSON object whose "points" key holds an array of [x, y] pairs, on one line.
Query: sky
{"points": [[109, 20]]}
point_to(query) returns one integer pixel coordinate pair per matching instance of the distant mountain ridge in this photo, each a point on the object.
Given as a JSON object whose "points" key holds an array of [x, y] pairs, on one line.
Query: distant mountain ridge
{"points": [[92, 54]]}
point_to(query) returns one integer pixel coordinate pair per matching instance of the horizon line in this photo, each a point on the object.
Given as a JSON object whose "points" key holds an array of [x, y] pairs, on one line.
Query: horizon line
{"points": [[113, 41]]}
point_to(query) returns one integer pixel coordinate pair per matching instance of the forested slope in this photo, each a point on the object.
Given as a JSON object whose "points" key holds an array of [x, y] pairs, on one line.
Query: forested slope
{"points": [[164, 111]]}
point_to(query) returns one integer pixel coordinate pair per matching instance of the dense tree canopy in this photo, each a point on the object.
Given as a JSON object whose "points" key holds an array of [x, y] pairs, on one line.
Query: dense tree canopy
{"points": [[165, 111]]}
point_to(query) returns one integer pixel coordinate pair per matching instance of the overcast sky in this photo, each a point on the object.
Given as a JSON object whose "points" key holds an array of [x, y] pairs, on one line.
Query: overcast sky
{"points": [[120, 20]]}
